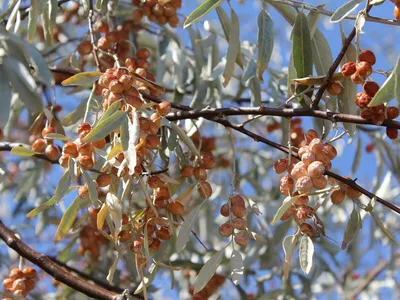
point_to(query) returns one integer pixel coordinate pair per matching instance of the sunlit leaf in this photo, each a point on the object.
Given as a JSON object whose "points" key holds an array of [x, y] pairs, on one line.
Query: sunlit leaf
{"points": [[288, 245], [22, 151], [345, 10], [131, 129], [286, 203], [302, 50], [68, 219], [148, 278], [208, 271], [105, 127], [63, 186], [233, 49], [201, 11], [82, 79], [352, 227], [92, 188], [57, 136], [5, 99]]}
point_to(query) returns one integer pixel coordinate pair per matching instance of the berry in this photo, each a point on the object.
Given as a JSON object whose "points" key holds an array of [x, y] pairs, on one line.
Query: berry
{"points": [[175, 208], [16, 274], [337, 197], [163, 233], [280, 166], [83, 192], [357, 78], [307, 158], [238, 211], [304, 185], [152, 141], [52, 152], [64, 159], [364, 69], [378, 119], [392, 112], [204, 189], [126, 81], [330, 150], [224, 210], [84, 126], [370, 88], [307, 229], [85, 48], [286, 185], [316, 145], [143, 53], [155, 246], [163, 108], [310, 135], [303, 150], [7, 283], [367, 56], [200, 173], [116, 87], [71, 149], [103, 180], [303, 200], [85, 148], [348, 69], [396, 12], [392, 133], [47, 130], [226, 229], [100, 143], [366, 113], [86, 162], [299, 170], [237, 200], [319, 182], [242, 239], [334, 88], [369, 148], [39, 146], [207, 161], [239, 223], [103, 44], [187, 171], [362, 99]]}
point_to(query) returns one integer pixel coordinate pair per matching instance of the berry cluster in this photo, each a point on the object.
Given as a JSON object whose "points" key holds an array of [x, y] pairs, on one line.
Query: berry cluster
{"points": [[359, 72], [236, 207], [396, 10], [91, 239], [20, 282], [46, 146], [156, 11]]}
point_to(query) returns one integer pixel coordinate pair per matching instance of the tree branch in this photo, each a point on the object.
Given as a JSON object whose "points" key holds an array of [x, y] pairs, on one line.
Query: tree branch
{"points": [[281, 112], [332, 69], [53, 269], [282, 148]]}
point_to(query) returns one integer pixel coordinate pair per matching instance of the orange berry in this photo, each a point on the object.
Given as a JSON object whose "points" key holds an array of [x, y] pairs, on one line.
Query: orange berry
{"points": [[242, 239], [357, 78], [7, 283], [280, 166], [85, 149], [175, 208], [39, 146], [392, 133], [163, 108], [334, 88], [238, 211], [71, 149], [316, 145], [239, 223], [47, 130], [337, 197], [152, 141], [100, 144], [348, 69], [330, 150], [83, 192], [52, 152], [143, 53], [299, 170], [396, 12], [319, 182], [187, 171], [155, 182], [64, 159], [392, 112], [224, 210], [286, 185], [307, 229], [103, 43], [200, 173], [367, 56], [204, 189], [86, 162], [163, 233], [116, 87], [310, 135], [124, 236], [352, 193], [155, 246], [237, 200], [364, 69], [226, 230], [103, 180], [303, 200], [85, 48], [83, 127], [304, 185], [370, 88], [307, 158]]}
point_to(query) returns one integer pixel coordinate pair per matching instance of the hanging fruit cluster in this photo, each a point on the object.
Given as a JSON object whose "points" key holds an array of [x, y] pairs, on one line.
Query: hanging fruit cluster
{"points": [[157, 11], [20, 282], [90, 238], [359, 72]]}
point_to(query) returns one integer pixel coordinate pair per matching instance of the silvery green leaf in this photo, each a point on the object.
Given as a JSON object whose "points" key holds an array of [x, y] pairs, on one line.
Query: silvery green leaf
{"points": [[201, 11], [13, 16], [313, 18], [111, 271], [62, 188], [23, 84], [249, 72], [208, 271], [345, 10], [237, 267], [105, 127], [382, 227], [352, 227], [389, 88], [233, 48], [148, 278], [302, 50], [114, 208], [286, 203], [186, 228], [133, 136], [255, 89], [34, 13], [288, 245], [306, 252], [265, 37], [5, 99], [92, 188], [48, 33], [357, 156], [68, 219]]}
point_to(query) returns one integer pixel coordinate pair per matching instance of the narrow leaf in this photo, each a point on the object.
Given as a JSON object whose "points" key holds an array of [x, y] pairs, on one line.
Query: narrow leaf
{"points": [[233, 48], [63, 186], [306, 252], [130, 147], [345, 10], [237, 266], [286, 203], [201, 11], [302, 49], [105, 127], [5, 99], [82, 79], [265, 37], [22, 151], [68, 219], [352, 227], [92, 188], [32, 20], [288, 245], [382, 227], [208, 271], [185, 139]]}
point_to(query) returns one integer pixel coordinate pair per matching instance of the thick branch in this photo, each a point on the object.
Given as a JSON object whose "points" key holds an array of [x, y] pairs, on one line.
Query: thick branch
{"points": [[282, 148], [285, 112], [53, 269]]}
